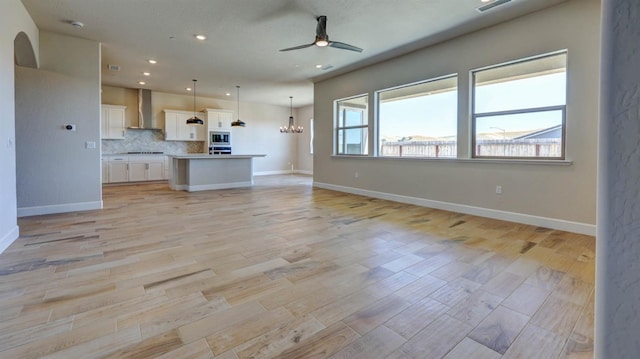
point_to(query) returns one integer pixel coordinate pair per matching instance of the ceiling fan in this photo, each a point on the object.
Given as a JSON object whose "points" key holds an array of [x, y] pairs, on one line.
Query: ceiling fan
{"points": [[322, 39]]}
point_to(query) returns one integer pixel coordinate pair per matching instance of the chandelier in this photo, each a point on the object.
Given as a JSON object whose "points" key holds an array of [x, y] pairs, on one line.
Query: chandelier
{"points": [[291, 128]]}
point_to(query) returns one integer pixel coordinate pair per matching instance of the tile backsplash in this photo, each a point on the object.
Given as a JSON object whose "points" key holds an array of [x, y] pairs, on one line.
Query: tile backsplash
{"points": [[149, 140]]}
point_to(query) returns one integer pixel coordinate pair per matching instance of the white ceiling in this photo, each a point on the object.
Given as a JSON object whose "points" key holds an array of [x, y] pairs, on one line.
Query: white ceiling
{"points": [[244, 37]]}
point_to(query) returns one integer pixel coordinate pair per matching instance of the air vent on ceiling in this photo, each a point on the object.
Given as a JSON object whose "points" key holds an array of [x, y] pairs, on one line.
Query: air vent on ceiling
{"points": [[113, 67], [492, 5]]}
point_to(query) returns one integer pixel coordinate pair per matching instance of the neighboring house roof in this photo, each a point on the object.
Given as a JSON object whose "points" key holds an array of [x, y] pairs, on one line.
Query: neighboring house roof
{"points": [[551, 132]]}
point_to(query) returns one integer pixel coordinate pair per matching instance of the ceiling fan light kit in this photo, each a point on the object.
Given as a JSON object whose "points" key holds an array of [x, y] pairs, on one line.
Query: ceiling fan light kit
{"points": [[322, 42], [291, 128], [322, 39]]}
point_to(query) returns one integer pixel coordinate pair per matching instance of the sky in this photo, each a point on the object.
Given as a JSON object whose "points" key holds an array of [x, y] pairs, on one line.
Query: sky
{"points": [[436, 115]]}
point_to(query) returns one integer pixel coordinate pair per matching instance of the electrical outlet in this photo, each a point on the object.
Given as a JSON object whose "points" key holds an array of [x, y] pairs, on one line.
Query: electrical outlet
{"points": [[498, 189], [90, 144]]}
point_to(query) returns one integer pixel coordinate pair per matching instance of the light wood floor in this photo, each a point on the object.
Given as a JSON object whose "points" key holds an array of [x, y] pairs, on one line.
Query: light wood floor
{"points": [[282, 270]]}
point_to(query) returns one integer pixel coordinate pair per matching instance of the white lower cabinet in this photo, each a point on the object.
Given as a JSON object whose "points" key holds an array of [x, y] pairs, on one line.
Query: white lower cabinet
{"points": [[105, 170], [146, 168], [155, 171], [133, 168], [165, 173], [137, 171], [118, 169]]}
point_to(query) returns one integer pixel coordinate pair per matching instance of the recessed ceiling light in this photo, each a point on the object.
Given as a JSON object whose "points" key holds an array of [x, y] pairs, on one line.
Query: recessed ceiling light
{"points": [[151, 61], [77, 24], [228, 94], [485, 0], [188, 88], [146, 73], [318, 66], [201, 37], [141, 83]]}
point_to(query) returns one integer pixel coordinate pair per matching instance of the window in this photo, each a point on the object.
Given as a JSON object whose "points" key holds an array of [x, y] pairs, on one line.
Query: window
{"points": [[519, 109], [419, 120], [352, 126]]}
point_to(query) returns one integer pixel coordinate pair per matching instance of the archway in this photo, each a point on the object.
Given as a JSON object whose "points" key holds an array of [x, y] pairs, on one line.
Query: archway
{"points": [[24, 60], [23, 54]]}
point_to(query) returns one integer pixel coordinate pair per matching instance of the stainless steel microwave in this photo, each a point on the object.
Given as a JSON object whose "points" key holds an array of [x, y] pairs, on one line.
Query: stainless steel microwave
{"points": [[220, 138]]}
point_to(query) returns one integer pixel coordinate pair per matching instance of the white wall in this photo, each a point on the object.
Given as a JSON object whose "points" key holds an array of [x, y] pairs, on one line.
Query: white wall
{"points": [[55, 172], [14, 19], [305, 158], [561, 197]]}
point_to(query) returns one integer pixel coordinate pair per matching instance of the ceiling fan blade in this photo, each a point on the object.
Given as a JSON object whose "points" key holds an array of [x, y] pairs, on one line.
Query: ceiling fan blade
{"points": [[343, 46], [298, 47], [322, 39], [321, 28]]}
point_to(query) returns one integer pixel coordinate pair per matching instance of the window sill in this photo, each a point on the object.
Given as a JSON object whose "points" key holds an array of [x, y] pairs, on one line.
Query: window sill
{"points": [[465, 160]]}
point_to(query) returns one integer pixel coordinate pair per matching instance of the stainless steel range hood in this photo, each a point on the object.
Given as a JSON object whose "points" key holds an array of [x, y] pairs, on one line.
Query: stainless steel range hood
{"points": [[145, 119]]}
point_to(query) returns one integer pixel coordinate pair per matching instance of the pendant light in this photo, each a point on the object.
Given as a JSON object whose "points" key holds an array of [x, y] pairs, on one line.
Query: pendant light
{"points": [[291, 128], [238, 123], [194, 120]]}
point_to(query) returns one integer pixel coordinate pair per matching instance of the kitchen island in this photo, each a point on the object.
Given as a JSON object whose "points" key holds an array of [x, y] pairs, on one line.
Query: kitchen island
{"points": [[202, 172]]}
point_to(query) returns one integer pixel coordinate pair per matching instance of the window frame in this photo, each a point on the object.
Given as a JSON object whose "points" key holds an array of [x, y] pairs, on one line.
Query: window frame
{"points": [[337, 128], [377, 94], [474, 116]]}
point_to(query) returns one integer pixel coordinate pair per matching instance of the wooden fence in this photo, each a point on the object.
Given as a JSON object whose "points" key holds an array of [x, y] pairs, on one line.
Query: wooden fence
{"points": [[545, 147], [438, 149]]}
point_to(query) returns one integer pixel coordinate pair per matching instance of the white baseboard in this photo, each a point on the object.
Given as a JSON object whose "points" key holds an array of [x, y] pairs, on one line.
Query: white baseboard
{"points": [[267, 173], [9, 238], [282, 172], [553, 223], [59, 208]]}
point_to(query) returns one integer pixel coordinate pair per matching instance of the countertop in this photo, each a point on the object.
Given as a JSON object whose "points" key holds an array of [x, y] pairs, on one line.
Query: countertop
{"points": [[205, 156], [134, 154]]}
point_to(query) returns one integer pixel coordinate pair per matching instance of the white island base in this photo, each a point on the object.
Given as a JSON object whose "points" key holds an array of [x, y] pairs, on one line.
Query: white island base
{"points": [[201, 172]]}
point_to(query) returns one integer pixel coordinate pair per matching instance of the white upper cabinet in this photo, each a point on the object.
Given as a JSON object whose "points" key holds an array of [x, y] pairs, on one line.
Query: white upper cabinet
{"points": [[219, 119], [176, 128], [112, 122]]}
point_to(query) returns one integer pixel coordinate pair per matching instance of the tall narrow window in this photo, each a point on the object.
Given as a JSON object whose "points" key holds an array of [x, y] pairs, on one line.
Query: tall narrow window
{"points": [[520, 109], [352, 126], [419, 120]]}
